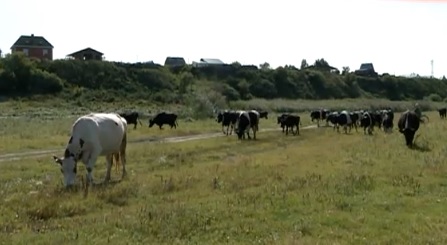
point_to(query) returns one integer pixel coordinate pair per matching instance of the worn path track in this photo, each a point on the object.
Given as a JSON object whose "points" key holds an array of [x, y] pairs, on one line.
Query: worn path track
{"points": [[176, 139]]}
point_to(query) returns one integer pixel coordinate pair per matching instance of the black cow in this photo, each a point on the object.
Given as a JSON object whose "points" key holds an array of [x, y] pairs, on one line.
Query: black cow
{"points": [[408, 124], [131, 118], [366, 122], [246, 121], [388, 120], [355, 117], [442, 113], [377, 118], [290, 121], [319, 115], [228, 119], [281, 121], [164, 118], [263, 114]]}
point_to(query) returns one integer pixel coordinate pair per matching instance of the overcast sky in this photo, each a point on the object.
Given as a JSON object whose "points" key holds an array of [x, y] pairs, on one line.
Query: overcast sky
{"points": [[398, 37]]}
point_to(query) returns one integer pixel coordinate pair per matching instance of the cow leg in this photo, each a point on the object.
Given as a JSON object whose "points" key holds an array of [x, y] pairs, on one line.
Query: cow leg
{"points": [[117, 162], [135, 126], [254, 132], [91, 164], [123, 155], [318, 123], [298, 129], [109, 161]]}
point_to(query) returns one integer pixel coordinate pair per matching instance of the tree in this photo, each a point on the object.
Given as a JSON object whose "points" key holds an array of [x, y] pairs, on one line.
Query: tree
{"points": [[265, 66], [303, 64], [321, 63], [345, 70]]}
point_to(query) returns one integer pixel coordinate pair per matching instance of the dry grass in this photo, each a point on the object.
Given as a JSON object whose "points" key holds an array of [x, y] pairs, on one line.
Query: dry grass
{"points": [[319, 187]]}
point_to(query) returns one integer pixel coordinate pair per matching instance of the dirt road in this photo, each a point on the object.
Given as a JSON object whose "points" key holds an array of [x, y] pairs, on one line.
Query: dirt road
{"points": [[177, 139]]}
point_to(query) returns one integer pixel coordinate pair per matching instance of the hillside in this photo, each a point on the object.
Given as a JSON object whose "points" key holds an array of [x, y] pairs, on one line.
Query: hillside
{"points": [[106, 81]]}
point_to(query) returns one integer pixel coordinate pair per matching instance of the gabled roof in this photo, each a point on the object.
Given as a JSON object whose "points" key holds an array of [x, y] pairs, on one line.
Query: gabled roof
{"points": [[85, 50], [212, 61], [32, 41]]}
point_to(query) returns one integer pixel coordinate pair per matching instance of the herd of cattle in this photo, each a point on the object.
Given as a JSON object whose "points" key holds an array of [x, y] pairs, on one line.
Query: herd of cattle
{"points": [[241, 122], [105, 134]]}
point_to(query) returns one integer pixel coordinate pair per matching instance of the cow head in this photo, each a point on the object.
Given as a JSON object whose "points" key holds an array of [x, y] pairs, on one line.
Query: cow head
{"points": [[68, 169], [68, 166], [240, 133], [219, 117], [151, 123]]}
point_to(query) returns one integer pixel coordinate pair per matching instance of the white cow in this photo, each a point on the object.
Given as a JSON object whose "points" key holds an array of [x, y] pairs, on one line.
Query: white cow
{"points": [[94, 135]]}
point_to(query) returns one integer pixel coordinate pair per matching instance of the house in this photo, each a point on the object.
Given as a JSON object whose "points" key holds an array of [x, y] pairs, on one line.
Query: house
{"points": [[175, 61], [366, 69], [328, 68], [207, 62], [33, 46], [86, 54]]}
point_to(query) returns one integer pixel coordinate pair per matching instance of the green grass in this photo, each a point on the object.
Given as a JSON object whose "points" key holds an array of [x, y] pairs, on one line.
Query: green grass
{"points": [[317, 188]]}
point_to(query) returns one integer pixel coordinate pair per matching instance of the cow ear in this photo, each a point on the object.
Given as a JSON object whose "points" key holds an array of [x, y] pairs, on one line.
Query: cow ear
{"points": [[81, 142], [57, 159]]}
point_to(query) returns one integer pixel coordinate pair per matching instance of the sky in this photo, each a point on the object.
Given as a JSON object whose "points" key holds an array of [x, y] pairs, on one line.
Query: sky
{"points": [[399, 37]]}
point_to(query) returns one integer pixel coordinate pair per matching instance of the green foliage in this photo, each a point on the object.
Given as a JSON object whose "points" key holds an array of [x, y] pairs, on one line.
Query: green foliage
{"points": [[111, 81]]}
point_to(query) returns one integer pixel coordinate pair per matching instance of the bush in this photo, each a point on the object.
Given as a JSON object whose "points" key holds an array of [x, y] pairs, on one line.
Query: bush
{"points": [[45, 83], [434, 97]]}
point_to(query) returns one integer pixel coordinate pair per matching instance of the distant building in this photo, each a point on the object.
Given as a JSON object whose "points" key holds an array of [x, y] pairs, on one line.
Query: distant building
{"points": [[33, 46], [86, 54], [366, 69], [175, 61], [208, 62]]}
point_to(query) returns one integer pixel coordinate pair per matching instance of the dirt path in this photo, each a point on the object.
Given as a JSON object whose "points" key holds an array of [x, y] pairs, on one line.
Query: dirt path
{"points": [[176, 139]]}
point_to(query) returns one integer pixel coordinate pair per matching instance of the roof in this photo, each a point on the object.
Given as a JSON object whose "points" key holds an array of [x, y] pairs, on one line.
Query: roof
{"points": [[34, 41], [179, 61], [85, 50], [212, 61], [367, 66]]}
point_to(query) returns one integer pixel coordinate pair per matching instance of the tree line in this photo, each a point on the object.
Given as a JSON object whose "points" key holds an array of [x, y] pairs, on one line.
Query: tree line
{"points": [[104, 80]]}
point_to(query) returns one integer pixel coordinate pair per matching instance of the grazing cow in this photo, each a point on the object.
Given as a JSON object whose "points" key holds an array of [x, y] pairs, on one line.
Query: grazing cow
{"points": [[164, 118], [290, 121], [319, 115], [228, 119], [344, 119], [246, 121], [366, 122], [442, 113], [131, 118], [94, 135], [408, 124]]}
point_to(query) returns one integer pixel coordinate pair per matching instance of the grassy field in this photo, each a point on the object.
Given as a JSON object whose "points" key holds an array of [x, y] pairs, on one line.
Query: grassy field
{"points": [[317, 188]]}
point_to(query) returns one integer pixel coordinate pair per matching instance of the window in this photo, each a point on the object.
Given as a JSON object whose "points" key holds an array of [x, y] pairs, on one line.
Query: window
{"points": [[25, 51], [45, 52]]}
